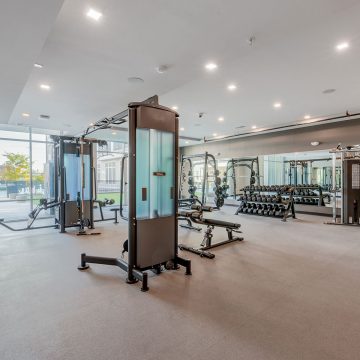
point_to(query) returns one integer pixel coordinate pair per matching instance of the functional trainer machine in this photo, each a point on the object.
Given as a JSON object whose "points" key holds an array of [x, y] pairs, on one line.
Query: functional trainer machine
{"points": [[153, 169], [71, 187], [196, 215], [349, 157]]}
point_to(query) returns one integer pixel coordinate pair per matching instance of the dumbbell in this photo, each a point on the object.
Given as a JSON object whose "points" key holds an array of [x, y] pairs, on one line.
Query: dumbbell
{"points": [[271, 210], [276, 210], [281, 211], [267, 210], [253, 209], [261, 209]]}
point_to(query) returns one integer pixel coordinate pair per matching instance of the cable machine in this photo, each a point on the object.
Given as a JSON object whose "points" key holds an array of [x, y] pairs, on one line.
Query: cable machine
{"points": [[153, 192], [71, 187], [349, 157]]}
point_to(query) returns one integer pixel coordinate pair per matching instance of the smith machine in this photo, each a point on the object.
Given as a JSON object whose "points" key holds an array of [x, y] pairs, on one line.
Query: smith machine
{"points": [[231, 176], [153, 194], [208, 173]]}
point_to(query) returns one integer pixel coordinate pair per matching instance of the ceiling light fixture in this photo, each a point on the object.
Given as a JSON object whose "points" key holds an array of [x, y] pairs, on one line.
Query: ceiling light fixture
{"points": [[94, 14], [253, 127], [211, 66], [162, 69], [329, 91], [315, 143], [91, 124], [214, 134], [186, 142], [113, 133], [277, 105], [182, 129], [232, 87], [307, 117], [135, 80], [45, 86], [38, 66], [221, 118], [25, 114], [174, 107], [342, 46]]}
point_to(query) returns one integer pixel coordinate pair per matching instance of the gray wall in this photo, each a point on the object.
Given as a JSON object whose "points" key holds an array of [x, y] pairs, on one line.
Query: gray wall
{"points": [[297, 140]]}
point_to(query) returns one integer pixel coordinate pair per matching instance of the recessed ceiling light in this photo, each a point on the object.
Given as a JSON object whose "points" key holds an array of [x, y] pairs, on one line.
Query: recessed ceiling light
{"points": [[329, 91], [214, 134], [342, 46], [39, 66], [277, 105], [162, 69], [182, 129], [253, 127], [211, 66], [113, 133], [307, 117], [45, 86], [94, 14], [174, 107], [232, 87], [91, 124], [315, 143], [186, 142], [25, 114], [221, 119]]}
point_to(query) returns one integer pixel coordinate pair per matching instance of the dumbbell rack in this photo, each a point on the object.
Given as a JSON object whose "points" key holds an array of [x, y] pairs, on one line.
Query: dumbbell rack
{"points": [[275, 201], [304, 195]]}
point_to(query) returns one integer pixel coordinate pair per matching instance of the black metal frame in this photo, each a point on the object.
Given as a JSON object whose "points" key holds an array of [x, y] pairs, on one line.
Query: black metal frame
{"points": [[233, 163], [122, 185], [281, 190], [197, 217], [135, 273], [61, 142], [209, 159]]}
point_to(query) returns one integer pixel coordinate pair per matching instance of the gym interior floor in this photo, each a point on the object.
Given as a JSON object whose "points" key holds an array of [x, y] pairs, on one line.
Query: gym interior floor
{"points": [[288, 291]]}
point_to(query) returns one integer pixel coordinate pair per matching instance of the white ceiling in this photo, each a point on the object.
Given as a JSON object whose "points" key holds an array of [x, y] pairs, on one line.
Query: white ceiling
{"points": [[24, 27], [87, 64]]}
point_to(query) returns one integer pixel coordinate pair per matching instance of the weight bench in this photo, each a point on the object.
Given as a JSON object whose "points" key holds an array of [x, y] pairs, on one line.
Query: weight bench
{"points": [[206, 244], [102, 218], [116, 211]]}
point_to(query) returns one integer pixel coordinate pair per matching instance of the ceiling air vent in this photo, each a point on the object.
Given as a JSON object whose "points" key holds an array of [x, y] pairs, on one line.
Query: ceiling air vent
{"points": [[44, 117], [240, 127]]}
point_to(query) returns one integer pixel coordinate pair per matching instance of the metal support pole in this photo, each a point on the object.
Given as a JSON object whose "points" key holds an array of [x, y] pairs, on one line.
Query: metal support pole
{"points": [[31, 170], [203, 197], [334, 185], [342, 187]]}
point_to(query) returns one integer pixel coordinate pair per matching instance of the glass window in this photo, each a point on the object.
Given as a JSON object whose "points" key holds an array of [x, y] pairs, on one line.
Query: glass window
{"points": [[14, 180], [14, 135], [108, 170]]}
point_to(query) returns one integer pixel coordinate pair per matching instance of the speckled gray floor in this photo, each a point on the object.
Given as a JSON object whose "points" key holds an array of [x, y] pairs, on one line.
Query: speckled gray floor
{"points": [[289, 291]]}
